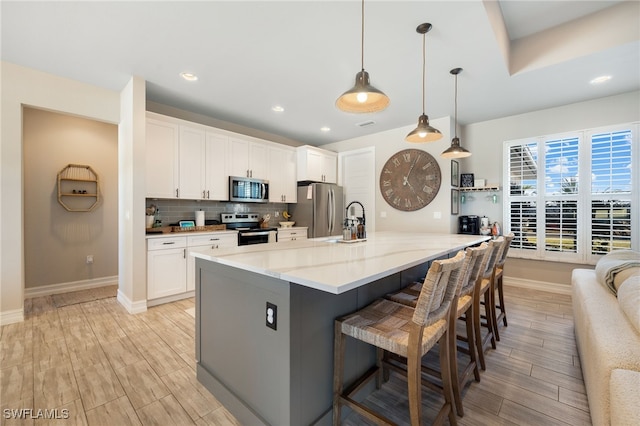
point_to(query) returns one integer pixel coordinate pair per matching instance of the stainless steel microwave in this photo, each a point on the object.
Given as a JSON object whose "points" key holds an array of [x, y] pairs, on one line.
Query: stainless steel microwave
{"points": [[248, 190]]}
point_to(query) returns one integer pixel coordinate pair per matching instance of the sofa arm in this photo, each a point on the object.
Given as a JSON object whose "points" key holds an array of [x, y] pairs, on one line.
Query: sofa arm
{"points": [[624, 388]]}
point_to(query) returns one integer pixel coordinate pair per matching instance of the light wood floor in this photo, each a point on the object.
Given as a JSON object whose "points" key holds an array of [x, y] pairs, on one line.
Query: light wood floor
{"points": [[107, 367]]}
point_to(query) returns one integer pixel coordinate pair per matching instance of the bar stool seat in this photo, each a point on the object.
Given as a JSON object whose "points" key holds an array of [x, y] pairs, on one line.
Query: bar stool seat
{"points": [[406, 332]]}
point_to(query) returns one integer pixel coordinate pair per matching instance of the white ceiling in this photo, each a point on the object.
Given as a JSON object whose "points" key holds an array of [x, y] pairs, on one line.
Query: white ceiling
{"points": [[517, 56]]}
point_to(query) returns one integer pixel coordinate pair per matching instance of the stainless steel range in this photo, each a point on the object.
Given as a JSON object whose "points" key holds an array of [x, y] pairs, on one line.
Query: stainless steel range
{"points": [[248, 227]]}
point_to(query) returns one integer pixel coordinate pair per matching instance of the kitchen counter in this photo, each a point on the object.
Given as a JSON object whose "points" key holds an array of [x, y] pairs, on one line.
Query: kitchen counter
{"points": [[329, 265], [278, 369]]}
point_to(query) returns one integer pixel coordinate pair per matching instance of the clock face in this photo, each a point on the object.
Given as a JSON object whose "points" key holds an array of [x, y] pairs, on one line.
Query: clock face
{"points": [[410, 179]]}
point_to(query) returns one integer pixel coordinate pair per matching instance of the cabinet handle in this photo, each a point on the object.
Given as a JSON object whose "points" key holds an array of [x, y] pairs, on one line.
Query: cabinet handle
{"points": [[184, 253], [248, 173], [214, 239], [177, 192], [166, 244], [208, 194], [204, 193]]}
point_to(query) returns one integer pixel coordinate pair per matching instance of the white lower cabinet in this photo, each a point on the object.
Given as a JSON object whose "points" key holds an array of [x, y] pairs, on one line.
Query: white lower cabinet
{"points": [[166, 267], [213, 241], [170, 269], [292, 234]]}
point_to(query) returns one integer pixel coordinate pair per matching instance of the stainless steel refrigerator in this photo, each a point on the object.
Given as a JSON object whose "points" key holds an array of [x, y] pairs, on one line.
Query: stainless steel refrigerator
{"points": [[320, 207]]}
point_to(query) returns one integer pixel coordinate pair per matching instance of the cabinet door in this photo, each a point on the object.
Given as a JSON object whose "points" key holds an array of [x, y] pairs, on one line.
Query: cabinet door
{"points": [[162, 155], [238, 157], [216, 176], [166, 272], [258, 165], [330, 167], [282, 175], [213, 241], [192, 163]]}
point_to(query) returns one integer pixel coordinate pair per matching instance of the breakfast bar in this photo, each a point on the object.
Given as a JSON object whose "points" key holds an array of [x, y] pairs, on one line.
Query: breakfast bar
{"points": [[265, 316]]}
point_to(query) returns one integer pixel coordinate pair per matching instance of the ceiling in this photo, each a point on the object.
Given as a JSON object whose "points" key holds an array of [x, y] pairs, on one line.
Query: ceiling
{"points": [[517, 56]]}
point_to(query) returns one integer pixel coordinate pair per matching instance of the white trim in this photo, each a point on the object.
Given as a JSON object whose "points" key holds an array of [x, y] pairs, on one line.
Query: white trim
{"points": [[172, 298], [13, 316], [537, 285], [131, 307], [47, 290]]}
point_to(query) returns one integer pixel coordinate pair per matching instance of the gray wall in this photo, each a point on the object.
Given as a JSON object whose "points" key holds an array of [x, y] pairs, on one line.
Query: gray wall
{"points": [[56, 241]]}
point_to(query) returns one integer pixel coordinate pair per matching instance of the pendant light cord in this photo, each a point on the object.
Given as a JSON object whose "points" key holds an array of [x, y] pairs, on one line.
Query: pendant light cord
{"points": [[362, 39], [455, 123], [424, 61]]}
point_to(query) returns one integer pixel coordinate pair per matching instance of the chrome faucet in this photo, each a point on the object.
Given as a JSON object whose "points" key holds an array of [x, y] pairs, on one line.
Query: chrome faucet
{"points": [[361, 220]]}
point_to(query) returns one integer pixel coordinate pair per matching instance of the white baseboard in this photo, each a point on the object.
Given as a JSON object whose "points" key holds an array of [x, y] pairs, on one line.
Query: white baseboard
{"points": [[169, 299], [537, 285], [132, 307], [47, 290], [13, 316]]}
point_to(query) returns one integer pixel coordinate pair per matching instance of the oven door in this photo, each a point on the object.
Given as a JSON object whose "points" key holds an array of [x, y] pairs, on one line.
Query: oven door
{"points": [[246, 238]]}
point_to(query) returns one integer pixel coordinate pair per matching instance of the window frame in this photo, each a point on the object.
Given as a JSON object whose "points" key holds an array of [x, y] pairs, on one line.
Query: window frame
{"points": [[583, 239]]}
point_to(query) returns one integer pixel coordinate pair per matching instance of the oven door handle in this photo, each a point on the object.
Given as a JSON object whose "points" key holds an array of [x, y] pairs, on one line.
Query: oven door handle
{"points": [[254, 234]]}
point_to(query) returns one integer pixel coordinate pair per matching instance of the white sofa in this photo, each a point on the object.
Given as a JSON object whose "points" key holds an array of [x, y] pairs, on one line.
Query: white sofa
{"points": [[607, 340]]}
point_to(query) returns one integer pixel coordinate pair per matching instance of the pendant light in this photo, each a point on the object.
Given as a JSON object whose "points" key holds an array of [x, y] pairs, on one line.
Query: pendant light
{"points": [[362, 97], [424, 132], [455, 150]]}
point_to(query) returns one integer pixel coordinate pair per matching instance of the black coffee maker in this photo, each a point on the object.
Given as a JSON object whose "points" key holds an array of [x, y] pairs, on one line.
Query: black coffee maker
{"points": [[469, 225]]}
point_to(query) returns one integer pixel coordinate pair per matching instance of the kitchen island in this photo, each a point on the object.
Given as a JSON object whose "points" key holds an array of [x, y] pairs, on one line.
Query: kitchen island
{"points": [[265, 315]]}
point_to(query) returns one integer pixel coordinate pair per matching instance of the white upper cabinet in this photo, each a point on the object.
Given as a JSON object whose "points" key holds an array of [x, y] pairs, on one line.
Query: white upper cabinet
{"points": [[162, 159], [216, 175], [192, 163], [317, 165], [282, 174], [247, 158]]}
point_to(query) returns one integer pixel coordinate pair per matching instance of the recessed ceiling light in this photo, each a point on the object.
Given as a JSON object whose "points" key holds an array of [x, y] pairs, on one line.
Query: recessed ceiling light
{"points": [[277, 108], [325, 129], [189, 76], [600, 79]]}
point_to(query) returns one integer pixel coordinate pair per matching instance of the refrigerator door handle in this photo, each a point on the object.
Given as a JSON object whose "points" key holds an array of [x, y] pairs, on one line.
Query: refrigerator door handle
{"points": [[333, 211], [329, 212]]}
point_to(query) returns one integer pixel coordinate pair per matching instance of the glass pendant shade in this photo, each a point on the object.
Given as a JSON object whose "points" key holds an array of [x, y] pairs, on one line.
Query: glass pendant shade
{"points": [[455, 150], [424, 132], [362, 97]]}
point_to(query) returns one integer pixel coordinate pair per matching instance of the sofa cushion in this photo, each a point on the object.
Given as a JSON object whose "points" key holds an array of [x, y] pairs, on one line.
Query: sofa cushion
{"points": [[613, 263], [625, 397], [629, 300]]}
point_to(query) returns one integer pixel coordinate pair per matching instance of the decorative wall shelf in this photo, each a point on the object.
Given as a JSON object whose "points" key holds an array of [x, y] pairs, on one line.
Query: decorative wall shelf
{"points": [[78, 188], [479, 188]]}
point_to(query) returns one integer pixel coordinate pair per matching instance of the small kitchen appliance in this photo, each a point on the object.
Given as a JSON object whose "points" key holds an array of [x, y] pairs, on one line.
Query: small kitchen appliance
{"points": [[248, 190], [469, 225], [249, 228]]}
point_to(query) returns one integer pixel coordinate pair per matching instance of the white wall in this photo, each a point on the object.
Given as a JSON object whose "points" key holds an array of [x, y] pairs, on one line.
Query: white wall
{"points": [[24, 86], [388, 143], [485, 140]]}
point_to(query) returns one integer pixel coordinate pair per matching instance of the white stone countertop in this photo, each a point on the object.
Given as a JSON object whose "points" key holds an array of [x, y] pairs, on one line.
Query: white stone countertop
{"points": [[327, 265]]}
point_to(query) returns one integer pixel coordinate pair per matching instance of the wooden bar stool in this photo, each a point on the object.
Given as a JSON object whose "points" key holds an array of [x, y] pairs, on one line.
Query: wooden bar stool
{"points": [[498, 285], [404, 331], [483, 297], [462, 307]]}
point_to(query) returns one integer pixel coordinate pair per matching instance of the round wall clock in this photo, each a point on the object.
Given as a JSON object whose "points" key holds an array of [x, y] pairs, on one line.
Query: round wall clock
{"points": [[410, 179]]}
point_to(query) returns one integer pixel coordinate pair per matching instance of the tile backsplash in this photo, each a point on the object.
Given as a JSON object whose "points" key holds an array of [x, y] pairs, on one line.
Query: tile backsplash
{"points": [[172, 211]]}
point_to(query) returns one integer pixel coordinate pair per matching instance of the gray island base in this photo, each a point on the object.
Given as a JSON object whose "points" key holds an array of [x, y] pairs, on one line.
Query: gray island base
{"points": [[284, 376]]}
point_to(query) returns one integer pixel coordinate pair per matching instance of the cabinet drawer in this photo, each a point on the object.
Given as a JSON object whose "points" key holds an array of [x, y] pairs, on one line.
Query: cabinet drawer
{"points": [[226, 239], [166, 243]]}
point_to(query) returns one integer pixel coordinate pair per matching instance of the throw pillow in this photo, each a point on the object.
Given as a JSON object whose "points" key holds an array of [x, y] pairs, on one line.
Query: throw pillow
{"points": [[629, 300]]}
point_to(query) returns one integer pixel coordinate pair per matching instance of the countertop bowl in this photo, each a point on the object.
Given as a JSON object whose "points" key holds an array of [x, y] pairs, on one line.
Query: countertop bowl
{"points": [[287, 224]]}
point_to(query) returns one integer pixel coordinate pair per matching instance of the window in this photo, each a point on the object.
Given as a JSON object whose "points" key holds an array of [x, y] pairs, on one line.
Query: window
{"points": [[571, 197]]}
